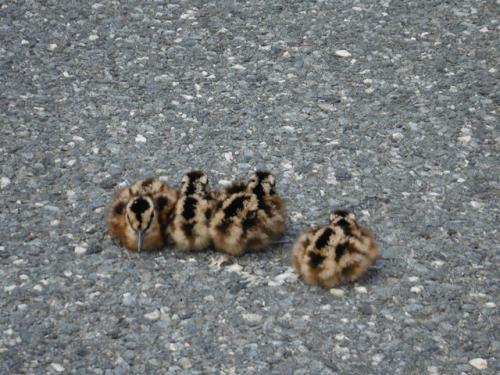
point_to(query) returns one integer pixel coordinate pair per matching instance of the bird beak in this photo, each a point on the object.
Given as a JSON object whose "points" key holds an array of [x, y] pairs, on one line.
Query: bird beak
{"points": [[140, 240]]}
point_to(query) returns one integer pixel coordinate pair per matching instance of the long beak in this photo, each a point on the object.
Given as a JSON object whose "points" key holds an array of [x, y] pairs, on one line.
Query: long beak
{"points": [[140, 240]]}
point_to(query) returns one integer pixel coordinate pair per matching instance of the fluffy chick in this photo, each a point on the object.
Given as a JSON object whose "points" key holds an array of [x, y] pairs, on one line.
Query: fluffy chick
{"points": [[248, 216], [139, 214], [341, 251], [189, 225]]}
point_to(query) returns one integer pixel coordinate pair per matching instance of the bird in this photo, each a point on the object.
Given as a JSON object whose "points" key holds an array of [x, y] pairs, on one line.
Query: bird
{"points": [[248, 216], [342, 251], [139, 213], [188, 228]]}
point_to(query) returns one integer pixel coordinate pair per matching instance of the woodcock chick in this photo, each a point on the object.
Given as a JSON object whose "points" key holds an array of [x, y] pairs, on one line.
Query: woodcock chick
{"points": [[248, 217], [139, 214], [193, 210], [341, 251]]}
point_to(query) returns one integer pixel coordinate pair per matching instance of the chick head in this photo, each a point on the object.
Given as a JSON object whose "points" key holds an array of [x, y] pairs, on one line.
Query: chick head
{"points": [[140, 214]]}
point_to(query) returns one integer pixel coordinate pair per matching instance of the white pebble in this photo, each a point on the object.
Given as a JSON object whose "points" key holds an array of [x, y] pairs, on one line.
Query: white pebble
{"points": [[52, 46], [140, 138], [490, 305], [397, 136], [38, 288], [4, 182], [360, 289], [77, 138], [228, 156], [224, 182], [437, 263], [416, 289], [342, 53], [128, 299], [475, 204], [479, 363], [239, 67], [22, 306], [185, 363], [337, 292], [24, 42], [254, 318], [57, 367], [465, 139], [483, 29], [93, 37], [154, 315], [413, 279], [10, 288], [68, 273], [79, 249], [71, 162]]}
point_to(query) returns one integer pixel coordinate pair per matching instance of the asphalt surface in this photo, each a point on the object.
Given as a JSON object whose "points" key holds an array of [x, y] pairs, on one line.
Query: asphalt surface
{"points": [[388, 108]]}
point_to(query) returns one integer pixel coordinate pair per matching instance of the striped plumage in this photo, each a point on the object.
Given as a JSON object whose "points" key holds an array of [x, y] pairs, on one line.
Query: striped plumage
{"points": [[248, 216], [188, 228], [341, 251]]}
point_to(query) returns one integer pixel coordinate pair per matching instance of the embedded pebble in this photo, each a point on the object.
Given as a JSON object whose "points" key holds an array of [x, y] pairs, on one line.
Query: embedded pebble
{"points": [[342, 53], [185, 363], [57, 367], [252, 318], [416, 289], [154, 315], [337, 292], [140, 139], [80, 249], [4, 182], [360, 289], [479, 363]]}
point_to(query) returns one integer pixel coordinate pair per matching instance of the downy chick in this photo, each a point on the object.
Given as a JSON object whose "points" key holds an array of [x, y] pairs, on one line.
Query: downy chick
{"points": [[139, 214], [189, 225], [249, 218], [341, 251]]}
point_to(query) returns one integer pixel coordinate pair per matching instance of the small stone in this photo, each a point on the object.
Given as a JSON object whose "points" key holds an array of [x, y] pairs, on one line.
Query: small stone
{"points": [[79, 249], [326, 107], [342, 53], [128, 299], [4, 182], [397, 136], [252, 318], [52, 46], [154, 315], [9, 288], [38, 288], [361, 289], [140, 139], [490, 305], [57, 367], [239, 67], [185, 363], [337, 292], [479, 363], [93, 37], [416, 289]]}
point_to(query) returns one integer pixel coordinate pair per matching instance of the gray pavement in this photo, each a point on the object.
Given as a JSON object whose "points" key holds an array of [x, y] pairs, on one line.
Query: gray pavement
{"points": [[388, 108]]}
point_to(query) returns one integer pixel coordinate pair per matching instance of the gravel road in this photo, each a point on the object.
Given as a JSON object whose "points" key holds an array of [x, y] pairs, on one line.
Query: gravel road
{"points": [[388, 108]]}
